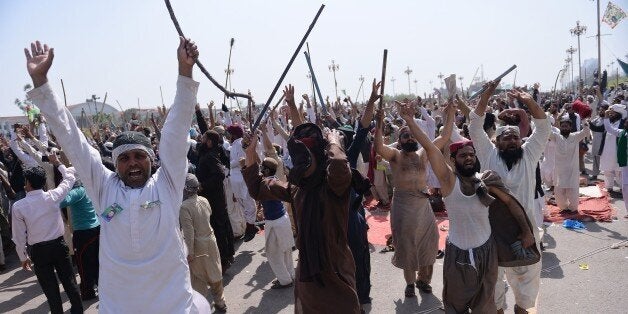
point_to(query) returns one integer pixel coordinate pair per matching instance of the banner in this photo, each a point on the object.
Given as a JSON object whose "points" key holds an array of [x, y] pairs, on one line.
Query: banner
{"points": [[613, 15]]}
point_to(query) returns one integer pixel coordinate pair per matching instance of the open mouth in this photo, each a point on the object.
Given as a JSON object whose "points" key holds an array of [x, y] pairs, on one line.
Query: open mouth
{"points": [[135, 173]]}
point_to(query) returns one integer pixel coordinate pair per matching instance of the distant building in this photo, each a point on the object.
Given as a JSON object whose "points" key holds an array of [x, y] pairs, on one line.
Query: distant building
{"points": [[90, 108]]}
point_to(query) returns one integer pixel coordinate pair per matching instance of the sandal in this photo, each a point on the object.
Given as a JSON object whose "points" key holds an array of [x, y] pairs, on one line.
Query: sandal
{"points": [[424, 287], [410, 291], [278, 285]]}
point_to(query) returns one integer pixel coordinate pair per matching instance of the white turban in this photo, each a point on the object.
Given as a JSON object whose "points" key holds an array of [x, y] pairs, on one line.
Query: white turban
{"points": [[502, 129], [619, 109]]}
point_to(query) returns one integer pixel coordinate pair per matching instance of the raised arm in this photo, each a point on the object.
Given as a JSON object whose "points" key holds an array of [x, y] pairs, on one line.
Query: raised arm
{"points": [[173, 144], [437, 161], [386, 152], [295, 115], [367, 116], [480, 109], [449, 116], [83, 156]]}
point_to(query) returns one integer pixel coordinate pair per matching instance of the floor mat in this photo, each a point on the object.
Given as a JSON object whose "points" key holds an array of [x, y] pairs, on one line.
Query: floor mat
{"points": [[589, 208]]}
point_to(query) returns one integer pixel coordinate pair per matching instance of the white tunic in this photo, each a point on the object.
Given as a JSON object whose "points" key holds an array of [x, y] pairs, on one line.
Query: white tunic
{"points": [[608, 159], [567, 172], [143, 266], [521, 179]]}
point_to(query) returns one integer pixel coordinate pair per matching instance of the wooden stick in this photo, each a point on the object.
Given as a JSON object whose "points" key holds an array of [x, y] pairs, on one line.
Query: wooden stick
{"points": [[285, 71], [478, 93], [224, 99], [198, 63], [103, 103], [315, 82], [65, 101], [381, 91], [162, 96]]}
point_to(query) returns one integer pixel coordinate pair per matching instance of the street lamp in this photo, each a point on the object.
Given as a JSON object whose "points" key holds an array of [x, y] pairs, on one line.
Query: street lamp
{"points": [[309, 77], [408, 72], [416, 89], [461, 88], [577, 31], [393, 83], [571, 51], [440, 77], [334, 67]]}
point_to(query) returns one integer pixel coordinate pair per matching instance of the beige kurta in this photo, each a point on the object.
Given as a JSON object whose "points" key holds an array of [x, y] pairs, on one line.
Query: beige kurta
{"points": [[199, 239]]}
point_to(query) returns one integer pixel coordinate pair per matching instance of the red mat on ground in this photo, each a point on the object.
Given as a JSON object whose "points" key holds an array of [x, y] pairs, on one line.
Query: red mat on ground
{"points": [[379, 225], [589, 209]]}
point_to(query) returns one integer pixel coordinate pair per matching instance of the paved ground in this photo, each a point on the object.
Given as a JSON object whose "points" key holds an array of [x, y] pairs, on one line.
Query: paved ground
{"points": [[565, 287]]}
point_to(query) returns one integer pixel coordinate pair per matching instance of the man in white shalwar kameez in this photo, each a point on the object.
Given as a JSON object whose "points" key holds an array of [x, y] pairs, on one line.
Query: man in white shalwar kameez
{"points": [[608, 159], [566, 164], [516, 165], [143, 266]]}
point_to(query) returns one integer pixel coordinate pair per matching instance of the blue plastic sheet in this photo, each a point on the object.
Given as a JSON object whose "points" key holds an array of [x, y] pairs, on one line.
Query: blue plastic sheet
{"points": [[573, 224]]}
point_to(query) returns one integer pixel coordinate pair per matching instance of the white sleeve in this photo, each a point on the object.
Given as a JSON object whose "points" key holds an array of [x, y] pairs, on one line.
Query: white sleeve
{"points": [[173, 145], [83, 156], [482, 143]]}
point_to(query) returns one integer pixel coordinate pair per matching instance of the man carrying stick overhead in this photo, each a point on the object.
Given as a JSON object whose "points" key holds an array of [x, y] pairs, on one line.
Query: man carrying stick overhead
{"points": [[318, 186], [516, 164], [143, 266]]}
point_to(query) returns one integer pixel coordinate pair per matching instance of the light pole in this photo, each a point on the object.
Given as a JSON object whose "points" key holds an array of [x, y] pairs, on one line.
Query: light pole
{"points": [[577, 31], [334, 67], [440, 77], [416, 89], [571, 51], [393, 83], [408, 72], [361, 79], [309, 77], [461, 87]]}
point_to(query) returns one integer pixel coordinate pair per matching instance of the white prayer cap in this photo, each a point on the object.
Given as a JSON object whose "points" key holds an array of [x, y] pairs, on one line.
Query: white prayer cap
{"points": [[619, 109], [506, 128], [565, 118]]}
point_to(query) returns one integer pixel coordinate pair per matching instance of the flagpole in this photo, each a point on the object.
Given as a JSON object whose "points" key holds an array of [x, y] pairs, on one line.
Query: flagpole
{"points": [[599, 53]]}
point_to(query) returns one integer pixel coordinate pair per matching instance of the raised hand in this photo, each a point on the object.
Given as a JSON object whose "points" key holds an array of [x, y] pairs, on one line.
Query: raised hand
{"points": [[187, 53], [375, 95], [406, 110], [288, 93], [38, 62]]}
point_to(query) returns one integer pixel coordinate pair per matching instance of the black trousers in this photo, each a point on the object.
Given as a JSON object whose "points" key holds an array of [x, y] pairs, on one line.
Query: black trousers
{"points": [[86, 243], [51, 256]]}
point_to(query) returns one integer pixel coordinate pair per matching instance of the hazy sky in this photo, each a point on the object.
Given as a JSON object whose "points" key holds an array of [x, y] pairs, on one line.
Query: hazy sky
{"points": [[128, 48]]}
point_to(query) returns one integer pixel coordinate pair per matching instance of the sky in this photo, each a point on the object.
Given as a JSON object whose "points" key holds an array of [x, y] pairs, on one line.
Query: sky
{"points": [[127, 48]]}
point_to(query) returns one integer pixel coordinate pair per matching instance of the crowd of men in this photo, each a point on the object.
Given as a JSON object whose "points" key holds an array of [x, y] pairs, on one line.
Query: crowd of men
{"points": [[150, 210]]}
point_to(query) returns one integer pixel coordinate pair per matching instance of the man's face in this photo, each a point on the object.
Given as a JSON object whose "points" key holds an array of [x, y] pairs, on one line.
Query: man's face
{"points": [[509, 141], [565, 128], [465, 161], [613, 116], [133, 167], [407, 142]]}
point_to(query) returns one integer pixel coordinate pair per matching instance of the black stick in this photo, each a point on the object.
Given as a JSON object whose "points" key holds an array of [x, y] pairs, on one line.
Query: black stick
{"points": [[381, 100], [198, 63], [285, 71]]}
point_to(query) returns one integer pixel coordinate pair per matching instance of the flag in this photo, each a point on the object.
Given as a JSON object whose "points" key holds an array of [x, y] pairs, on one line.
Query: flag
{"points": [[623, 65], [613, 15]]}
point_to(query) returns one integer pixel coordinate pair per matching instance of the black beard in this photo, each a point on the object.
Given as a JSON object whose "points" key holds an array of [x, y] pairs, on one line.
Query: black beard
{"points": [[565, 133], [615, 118], [410, 147], [511, 156], [467, 172]]}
